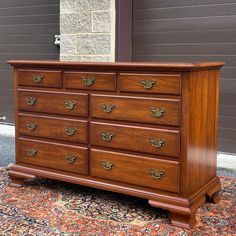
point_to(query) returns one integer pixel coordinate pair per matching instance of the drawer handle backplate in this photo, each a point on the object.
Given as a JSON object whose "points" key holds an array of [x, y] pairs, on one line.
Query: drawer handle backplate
{"points": [[70, 131], [89, 80], [38, 79], [32, 152], [107, 165], [31, 101], [108, 107], [106, 136], [70, 159], [148, 84], [157, 143], [70, 105], [156, 174], [158, 112], [32, 126]]}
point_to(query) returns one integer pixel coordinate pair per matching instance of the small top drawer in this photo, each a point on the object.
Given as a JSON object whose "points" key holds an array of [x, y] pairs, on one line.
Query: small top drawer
{"points": [[40, 78], [150, 83], [90, 81]]}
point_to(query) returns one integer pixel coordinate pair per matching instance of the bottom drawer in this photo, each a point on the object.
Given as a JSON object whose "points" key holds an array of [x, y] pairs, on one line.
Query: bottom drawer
{"points": [[55, 156], [138, 170]]}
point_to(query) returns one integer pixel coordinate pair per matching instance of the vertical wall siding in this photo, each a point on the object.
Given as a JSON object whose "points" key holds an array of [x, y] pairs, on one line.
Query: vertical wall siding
{"points": [[27, 32], [190, 30]]}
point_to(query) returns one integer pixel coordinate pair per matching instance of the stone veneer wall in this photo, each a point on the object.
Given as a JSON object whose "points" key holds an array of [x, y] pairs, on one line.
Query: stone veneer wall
{"points": [[87, 29]]}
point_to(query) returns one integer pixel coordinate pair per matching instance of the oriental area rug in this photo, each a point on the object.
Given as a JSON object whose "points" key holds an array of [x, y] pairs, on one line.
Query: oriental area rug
{"points": [[45, 208]]}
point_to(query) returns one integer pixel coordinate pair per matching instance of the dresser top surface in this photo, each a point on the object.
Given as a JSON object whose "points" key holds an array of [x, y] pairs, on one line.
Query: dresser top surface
{"points": [[179, 66]]}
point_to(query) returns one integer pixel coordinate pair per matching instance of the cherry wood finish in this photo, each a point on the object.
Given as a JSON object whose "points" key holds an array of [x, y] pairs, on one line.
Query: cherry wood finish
{"points": [[134, 138], [58, 156], [54, 102], [90, 81], [149, 83], [40, 78], [135, 170], [72, 130], [178, 175], [134, 108]]}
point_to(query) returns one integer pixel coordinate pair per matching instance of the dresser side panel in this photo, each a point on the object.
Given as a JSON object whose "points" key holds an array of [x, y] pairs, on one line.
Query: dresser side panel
{"points": [[199, 129]]}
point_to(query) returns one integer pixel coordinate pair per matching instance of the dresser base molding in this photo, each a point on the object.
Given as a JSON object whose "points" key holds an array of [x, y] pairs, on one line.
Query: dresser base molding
{"points": [[182, 209]]}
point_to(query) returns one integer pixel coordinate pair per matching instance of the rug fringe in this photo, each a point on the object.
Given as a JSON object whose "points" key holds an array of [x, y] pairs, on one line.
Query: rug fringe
{"points": [[6, 168]]}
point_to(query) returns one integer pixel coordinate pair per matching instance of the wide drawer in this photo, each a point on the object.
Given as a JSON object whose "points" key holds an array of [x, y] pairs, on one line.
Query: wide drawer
{"points": [[150, 83], [140, 139], [55, 128], [75, 104], [137, 170], [55, 156], [40, 78], [138, 109], [90, 81]]}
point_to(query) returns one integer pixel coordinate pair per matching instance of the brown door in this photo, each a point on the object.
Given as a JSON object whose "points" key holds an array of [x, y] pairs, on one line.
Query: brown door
{"points": [[187, 30], [27, 32]]}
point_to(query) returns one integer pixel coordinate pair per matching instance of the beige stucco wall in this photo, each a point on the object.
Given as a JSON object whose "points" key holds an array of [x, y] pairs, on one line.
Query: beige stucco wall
{"points": [[87, 29]]}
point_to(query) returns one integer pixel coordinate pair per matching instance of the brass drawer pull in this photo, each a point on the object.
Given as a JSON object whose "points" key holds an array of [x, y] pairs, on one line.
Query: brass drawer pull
{"points": [[31, 101], [70, 105], [106, 136], [89, 80], [107, 165], [32, 152], [37, 79], [157, 143], [108, 107], [32, 126], [156, 174], [70, 131], [158, 112], [148, 84], [70, 159]]}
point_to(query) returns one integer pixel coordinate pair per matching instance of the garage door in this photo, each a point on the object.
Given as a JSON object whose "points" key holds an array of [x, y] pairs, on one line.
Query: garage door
{"points": [[27, 29], [190, 30]]}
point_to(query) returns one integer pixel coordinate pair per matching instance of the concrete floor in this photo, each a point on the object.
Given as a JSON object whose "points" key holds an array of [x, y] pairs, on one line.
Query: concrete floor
{"points": [[226, 163]]}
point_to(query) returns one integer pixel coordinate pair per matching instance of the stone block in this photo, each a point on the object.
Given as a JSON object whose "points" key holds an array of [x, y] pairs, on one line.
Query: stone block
{"points": [[89, 5], [67, 6], [76, 23], [68, 44], [93, 44], [91, 58], [102, 21]]}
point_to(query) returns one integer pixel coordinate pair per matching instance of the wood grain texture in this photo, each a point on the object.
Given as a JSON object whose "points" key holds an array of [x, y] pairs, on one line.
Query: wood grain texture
{"points": [[136, 138], [130, 108], [102, 81], [54, 128], [164, 83], [51, 79], [135, 170], [54, 102], [53, 155]]}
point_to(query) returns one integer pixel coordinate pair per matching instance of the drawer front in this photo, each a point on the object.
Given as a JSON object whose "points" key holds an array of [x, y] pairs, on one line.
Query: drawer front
{"points": [[90, 81], [54, 128], [55, 156], [133, 138], [148, 83], [40, 78], [139, 109], [56, 103], [135, 170]]}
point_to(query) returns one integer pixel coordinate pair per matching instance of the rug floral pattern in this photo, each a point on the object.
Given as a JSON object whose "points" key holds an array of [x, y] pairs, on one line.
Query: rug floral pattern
{"points": [[48, 208]]}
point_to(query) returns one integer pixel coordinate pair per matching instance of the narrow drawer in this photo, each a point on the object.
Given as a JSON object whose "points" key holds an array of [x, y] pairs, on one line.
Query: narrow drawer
{"points": [[137, 170], [56, 156], [74, 104], [54, 128], [90, 81], [40, 78], [139, 109], [133, 138], [150, 83]]}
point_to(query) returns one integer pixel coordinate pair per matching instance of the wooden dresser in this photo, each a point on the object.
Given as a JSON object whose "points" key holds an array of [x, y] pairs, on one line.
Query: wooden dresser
{"points": [[147, 130]]}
